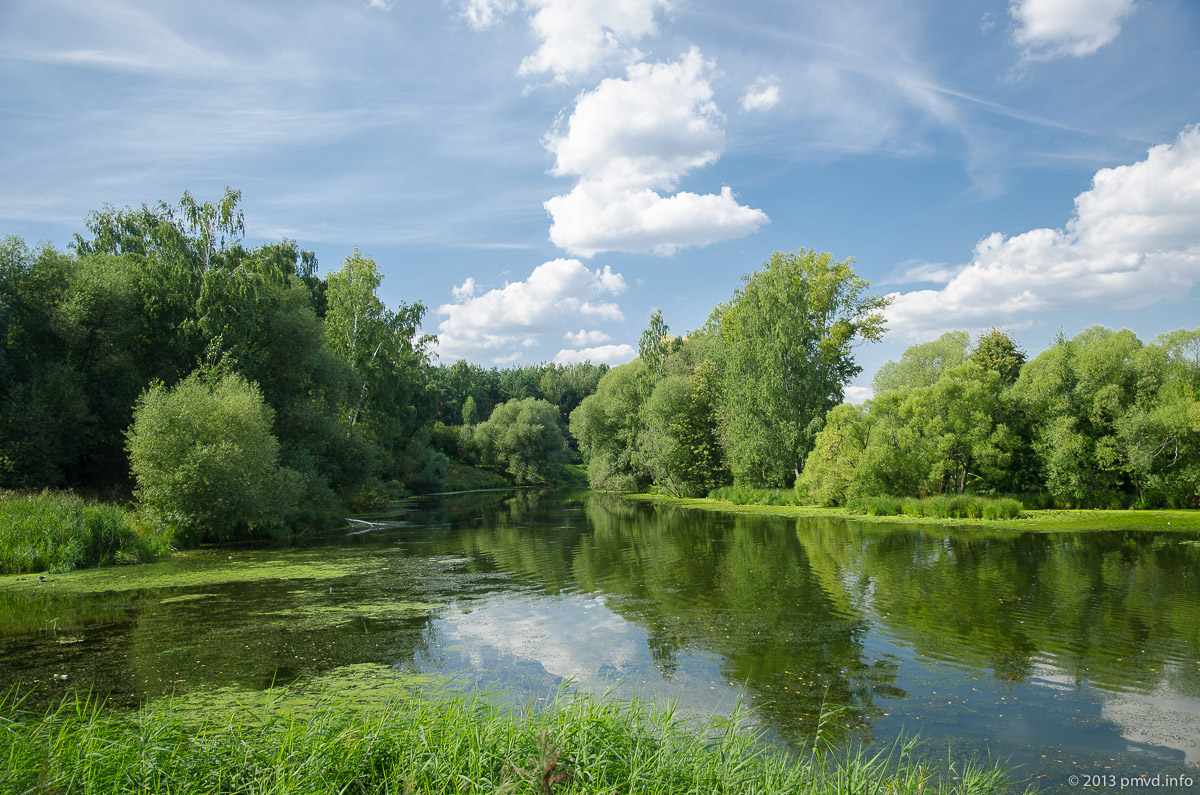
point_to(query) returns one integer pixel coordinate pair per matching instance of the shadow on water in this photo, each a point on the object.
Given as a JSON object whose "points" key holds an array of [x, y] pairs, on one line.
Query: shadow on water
{"points": [[1064, 653]]}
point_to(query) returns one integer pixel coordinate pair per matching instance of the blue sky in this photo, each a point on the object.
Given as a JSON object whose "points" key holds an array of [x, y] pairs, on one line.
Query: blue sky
{"points": [[542, 174]]}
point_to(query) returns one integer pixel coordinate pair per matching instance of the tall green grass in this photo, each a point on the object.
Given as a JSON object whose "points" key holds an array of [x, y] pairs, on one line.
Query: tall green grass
{"points": [[448, 744], [942, 506], [744, 495], [57, 531]]}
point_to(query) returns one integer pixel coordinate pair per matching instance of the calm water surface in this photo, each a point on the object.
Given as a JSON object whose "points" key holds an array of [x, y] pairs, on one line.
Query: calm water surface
{"points": [[1064, 654]]}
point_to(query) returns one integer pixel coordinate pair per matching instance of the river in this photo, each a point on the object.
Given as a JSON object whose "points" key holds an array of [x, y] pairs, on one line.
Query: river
{"points": [[1063, 654]]}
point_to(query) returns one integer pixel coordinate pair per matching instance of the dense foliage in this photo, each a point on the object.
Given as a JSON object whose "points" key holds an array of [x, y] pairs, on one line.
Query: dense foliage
{"points": [[1099, 420], [205, 460], [741, 399], [267, 396], [524, 438]]}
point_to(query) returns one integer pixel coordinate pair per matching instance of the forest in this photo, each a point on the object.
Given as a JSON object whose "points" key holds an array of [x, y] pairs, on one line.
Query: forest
{"points": [[237, 392], [755, 399]]}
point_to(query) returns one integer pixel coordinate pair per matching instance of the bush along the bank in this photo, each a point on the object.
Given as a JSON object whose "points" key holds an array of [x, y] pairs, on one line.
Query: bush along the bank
{"points": [[942, 506], [58, 532], [742, 495], [459, 744]]}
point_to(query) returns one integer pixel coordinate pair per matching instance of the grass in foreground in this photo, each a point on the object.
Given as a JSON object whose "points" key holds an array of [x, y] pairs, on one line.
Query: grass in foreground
{"points": [[58, 531], [438, 744]]}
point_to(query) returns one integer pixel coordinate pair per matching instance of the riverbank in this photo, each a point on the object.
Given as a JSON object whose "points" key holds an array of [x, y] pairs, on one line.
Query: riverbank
{"points": [[58, 532], [435, 742], [1042, 521]]}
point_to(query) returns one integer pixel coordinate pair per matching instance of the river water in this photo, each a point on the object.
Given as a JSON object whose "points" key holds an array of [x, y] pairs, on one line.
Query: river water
{"points": [[1063, 654]]}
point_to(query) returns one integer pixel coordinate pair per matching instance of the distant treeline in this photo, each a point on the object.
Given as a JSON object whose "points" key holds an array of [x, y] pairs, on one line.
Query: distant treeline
{"points": [[754, 398], [234, 389], [1099, 420]]}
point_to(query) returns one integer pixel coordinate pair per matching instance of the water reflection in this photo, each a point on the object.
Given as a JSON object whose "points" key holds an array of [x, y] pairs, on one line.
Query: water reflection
{"points": [[1066, 653]]}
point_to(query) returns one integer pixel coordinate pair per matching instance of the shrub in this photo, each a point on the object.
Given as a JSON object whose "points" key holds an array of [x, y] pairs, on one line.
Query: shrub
{"points": [[525, 438], [742, 495], [941, 506], [205, 460]]}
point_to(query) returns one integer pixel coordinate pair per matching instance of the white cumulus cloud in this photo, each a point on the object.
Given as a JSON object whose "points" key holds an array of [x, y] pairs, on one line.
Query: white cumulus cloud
{"points": [[579, 35], [584, 337], [1055, 28], [858, 394], [501, 322], [601, 354], [762, 94], [1134, 239], [464, 290], [629, 141]]}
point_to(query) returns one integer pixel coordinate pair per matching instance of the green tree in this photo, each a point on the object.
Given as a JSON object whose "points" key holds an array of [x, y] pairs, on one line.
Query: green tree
{"points": [[655, 344], [470, 415], [681, 437], [608, 428], [1159, 435], [832, 468], [1073, 394], [205, 460], [392, 405], [786, 344], [921, 365], [209, 223], [999, 352], [524, 438], [959, 416]]}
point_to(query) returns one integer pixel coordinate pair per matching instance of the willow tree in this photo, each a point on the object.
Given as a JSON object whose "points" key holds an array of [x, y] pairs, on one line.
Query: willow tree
{"points": [[786, 343]]}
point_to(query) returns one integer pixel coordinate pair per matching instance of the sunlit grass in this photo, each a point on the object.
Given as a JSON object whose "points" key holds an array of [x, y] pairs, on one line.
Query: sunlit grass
{"points": [[439, 743], [942, 506], [58, 531]]}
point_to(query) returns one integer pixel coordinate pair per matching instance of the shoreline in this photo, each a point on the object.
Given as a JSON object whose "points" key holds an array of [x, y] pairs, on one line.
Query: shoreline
{"points": [[1038, 521]]}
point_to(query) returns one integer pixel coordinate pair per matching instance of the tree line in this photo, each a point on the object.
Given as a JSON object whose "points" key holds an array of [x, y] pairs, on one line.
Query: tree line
{"points": [[754, 398], [1097, 420], [239, 392], [236, 390], [741, 399]]}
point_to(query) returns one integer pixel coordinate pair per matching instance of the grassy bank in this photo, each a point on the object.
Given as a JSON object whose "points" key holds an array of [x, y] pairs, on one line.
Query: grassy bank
{"points": [[422, 744], [1045, 521], [57, 532], [463, 477]]}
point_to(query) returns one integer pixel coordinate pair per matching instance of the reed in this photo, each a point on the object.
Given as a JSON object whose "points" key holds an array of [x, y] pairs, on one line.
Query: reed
{"points": [[440, 743], [58, 531]]}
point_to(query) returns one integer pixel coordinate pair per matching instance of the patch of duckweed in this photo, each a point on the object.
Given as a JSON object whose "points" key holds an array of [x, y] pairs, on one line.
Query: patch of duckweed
{"points": [[186, 597], [312, 617], [201, 571], [357, 686]]}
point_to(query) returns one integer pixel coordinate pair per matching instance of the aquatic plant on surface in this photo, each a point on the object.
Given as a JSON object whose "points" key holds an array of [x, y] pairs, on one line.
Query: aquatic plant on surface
{"points": [[439, 742]]}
